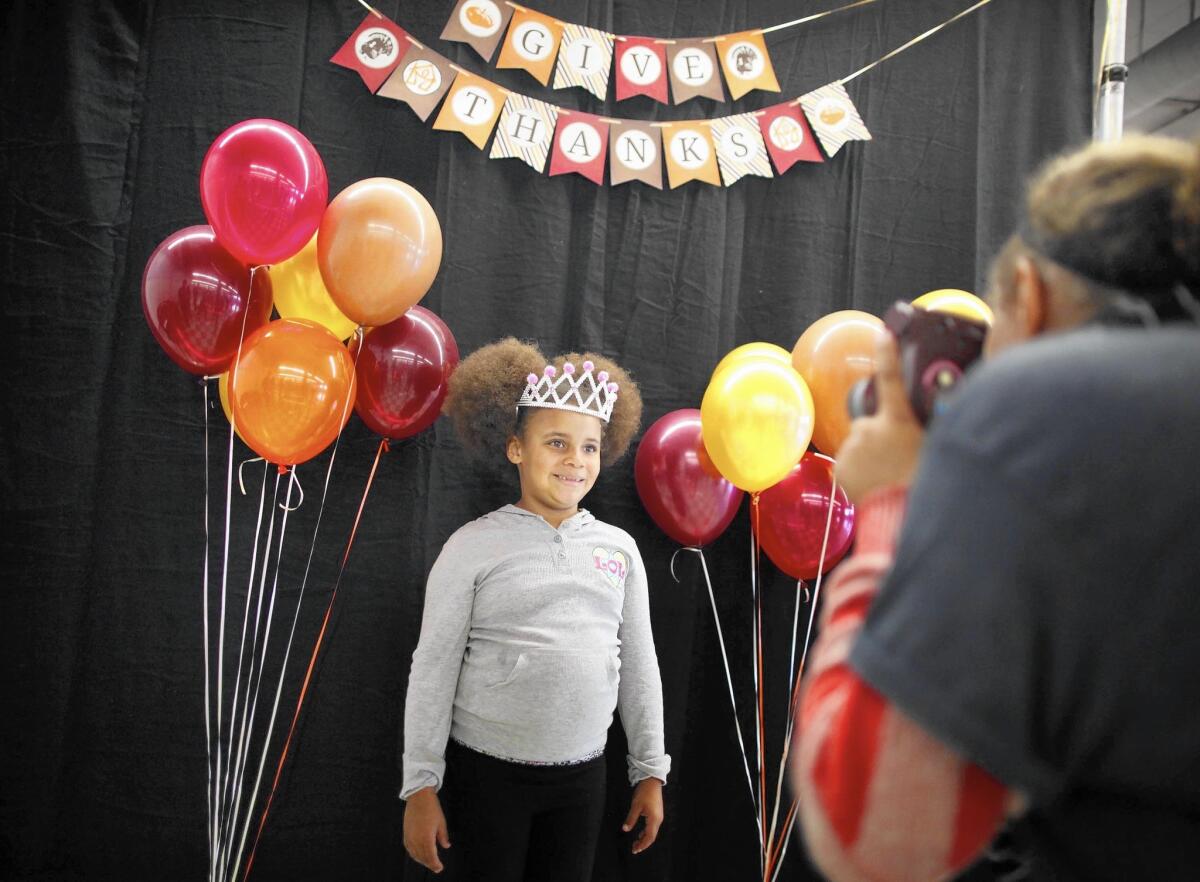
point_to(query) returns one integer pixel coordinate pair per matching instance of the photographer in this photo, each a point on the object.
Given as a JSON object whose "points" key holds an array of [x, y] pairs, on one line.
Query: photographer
{"points": [[1033, 648]]}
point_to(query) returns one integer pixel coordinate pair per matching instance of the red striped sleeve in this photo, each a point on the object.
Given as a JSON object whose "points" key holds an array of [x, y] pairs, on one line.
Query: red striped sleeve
{"points": [[880, 798]]}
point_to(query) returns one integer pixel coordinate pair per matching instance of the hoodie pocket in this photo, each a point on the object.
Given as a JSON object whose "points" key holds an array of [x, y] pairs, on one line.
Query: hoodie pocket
{"points": [[553, 693]]}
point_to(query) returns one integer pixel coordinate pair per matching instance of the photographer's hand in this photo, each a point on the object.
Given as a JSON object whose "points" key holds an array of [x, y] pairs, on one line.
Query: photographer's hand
{"points": [[882, 450]]}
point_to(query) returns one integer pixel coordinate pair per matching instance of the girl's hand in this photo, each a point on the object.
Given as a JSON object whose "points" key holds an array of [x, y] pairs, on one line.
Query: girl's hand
{"points": [[647, 803], [425, 828]]}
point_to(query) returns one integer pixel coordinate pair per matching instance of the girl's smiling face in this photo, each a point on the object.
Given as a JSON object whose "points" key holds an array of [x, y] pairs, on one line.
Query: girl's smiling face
{"points": [[557, 453]]}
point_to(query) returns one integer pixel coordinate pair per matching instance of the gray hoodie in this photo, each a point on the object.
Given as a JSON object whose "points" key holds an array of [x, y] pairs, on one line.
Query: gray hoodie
{"points": [[531, 637]]}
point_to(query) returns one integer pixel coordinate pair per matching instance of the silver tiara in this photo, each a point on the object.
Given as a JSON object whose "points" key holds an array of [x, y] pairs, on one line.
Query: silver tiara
{"points": [[585, 392]]}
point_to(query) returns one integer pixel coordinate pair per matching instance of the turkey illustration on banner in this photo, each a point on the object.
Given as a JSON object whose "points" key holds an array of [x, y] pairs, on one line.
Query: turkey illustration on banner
{"points": [[420, 80], [374, 50], [526, 131], [531, 44], [693, 68], [834, 117], [740, 148], [478, 23], [787, 136], [471, 108], [641, 68], [634, 149], [584, 59], [580, 145], [690, 153], [746, 63]]}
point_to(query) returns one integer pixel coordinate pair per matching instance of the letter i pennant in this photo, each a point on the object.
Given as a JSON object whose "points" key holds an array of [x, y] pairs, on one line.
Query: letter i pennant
{"points": [[525, 131], [584, 59], [471, 108], [580, 145]]}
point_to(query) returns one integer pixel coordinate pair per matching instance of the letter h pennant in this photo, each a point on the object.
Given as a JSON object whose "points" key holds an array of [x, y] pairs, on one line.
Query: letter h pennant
{"points": [[525, 131]]}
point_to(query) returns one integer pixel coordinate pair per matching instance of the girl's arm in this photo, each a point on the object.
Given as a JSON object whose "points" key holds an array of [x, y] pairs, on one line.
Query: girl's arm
{"points": [[445, 624]]}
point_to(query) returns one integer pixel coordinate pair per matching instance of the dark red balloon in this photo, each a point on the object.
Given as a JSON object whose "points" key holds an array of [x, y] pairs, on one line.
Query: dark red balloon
{"points": [[792, 517], [403, 373], [685, 499], [195, 295]]}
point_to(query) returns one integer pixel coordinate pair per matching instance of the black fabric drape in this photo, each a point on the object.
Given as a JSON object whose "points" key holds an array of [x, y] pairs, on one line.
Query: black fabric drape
{"points": [[107, 109]]}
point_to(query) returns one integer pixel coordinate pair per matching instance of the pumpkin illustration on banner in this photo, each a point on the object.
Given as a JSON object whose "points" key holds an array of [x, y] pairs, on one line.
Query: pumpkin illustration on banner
{"points": [[792, 516], [832, 355], [756, 420], [291, 390], [956, 302]]}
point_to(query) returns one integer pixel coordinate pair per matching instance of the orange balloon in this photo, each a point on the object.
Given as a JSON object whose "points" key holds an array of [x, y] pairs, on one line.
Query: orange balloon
{"points": [[832, 355], [292, 390], [379, 248]]}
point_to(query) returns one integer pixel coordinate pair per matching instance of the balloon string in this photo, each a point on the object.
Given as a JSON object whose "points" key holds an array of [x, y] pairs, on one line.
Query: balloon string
{"points": [[759, 679], [797, 680], [225, 575], [737, 725], [316, 651], [788, 827], [242, 466], [208, 752]]}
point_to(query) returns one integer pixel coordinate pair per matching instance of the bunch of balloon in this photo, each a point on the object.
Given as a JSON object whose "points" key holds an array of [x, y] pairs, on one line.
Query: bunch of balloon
{"points": [[833, 354]]}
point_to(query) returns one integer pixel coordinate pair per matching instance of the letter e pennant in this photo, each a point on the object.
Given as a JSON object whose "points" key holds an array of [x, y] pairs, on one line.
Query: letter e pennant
{"points": [[694, 71], [580, 145], [374, 50]]}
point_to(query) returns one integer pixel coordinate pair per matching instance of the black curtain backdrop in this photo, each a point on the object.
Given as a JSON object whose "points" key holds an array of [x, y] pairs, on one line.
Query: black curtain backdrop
{"points": [[108, 107]]}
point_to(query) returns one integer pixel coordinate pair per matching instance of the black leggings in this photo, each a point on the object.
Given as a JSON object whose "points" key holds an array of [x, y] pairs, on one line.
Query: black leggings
{"points": [[510, 822]]}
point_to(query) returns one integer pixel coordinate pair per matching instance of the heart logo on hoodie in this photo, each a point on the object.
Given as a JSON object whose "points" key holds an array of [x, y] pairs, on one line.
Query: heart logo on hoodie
{"points": [[612, 564]]}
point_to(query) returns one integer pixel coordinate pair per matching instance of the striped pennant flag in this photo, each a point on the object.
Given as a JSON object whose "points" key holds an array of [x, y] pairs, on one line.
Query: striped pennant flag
{"points": [[834, 117], [740, 148], [584, 59], [526, 131]]}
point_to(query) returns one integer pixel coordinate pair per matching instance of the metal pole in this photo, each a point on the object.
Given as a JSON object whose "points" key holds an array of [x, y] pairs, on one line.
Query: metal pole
{"points": [[1110, 109]]}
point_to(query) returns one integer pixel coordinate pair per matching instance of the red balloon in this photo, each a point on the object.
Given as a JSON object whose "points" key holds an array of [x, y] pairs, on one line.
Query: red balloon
{"points": [[263, 188], [684, 498], [792, 516], [195, 295], [403, 372]]}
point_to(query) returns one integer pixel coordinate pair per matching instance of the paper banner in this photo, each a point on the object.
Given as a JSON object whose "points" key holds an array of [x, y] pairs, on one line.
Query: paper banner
{"points": [[374, 50], [834, 117], [580, 145], [690, 154], [641, 68], [787, 136], [584, 59], [479, 24], [471, 108], [634, 153], [420, 80], [526, 131], [693, 68], [531, 43], [740, 148], [746, 63]]}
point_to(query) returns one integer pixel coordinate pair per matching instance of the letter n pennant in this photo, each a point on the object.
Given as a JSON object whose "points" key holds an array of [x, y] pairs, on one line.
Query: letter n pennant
{"points": [[580, 145]]}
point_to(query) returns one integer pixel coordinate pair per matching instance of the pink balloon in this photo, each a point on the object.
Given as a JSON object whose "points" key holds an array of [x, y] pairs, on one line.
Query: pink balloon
{"points": [[197, 300], [263, 188], [792, 516], [685, 498]]}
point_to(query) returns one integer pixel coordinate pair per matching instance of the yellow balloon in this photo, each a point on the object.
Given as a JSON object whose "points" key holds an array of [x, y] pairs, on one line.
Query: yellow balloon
{"points": [[756, 421], [956, 302], [300, 292], [754, 350], [223, 392]]}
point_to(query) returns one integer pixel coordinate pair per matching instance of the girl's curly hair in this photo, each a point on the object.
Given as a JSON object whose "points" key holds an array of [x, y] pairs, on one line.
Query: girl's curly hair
{"points": [[484, 388]]}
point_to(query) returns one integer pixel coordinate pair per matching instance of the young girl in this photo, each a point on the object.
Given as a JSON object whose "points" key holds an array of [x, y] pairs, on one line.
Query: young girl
{"points": [[536, 627]]}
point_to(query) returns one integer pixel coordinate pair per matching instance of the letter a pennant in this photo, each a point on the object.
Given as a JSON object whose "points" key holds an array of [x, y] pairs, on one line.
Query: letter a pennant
{"points": [[479, 24], [531, 43], [584, 59], [580, 145], [525, 131], [740, 148], [834, 117], [641, 68], [471, 108], [688, 147], [374, 50], [746, 63]]}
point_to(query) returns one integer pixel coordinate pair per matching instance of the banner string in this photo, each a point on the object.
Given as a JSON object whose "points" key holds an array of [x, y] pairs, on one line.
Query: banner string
{"points": [[914, 41], [371, 9], [359, 332], [737, 724], [814, 16], [316, 650]]}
